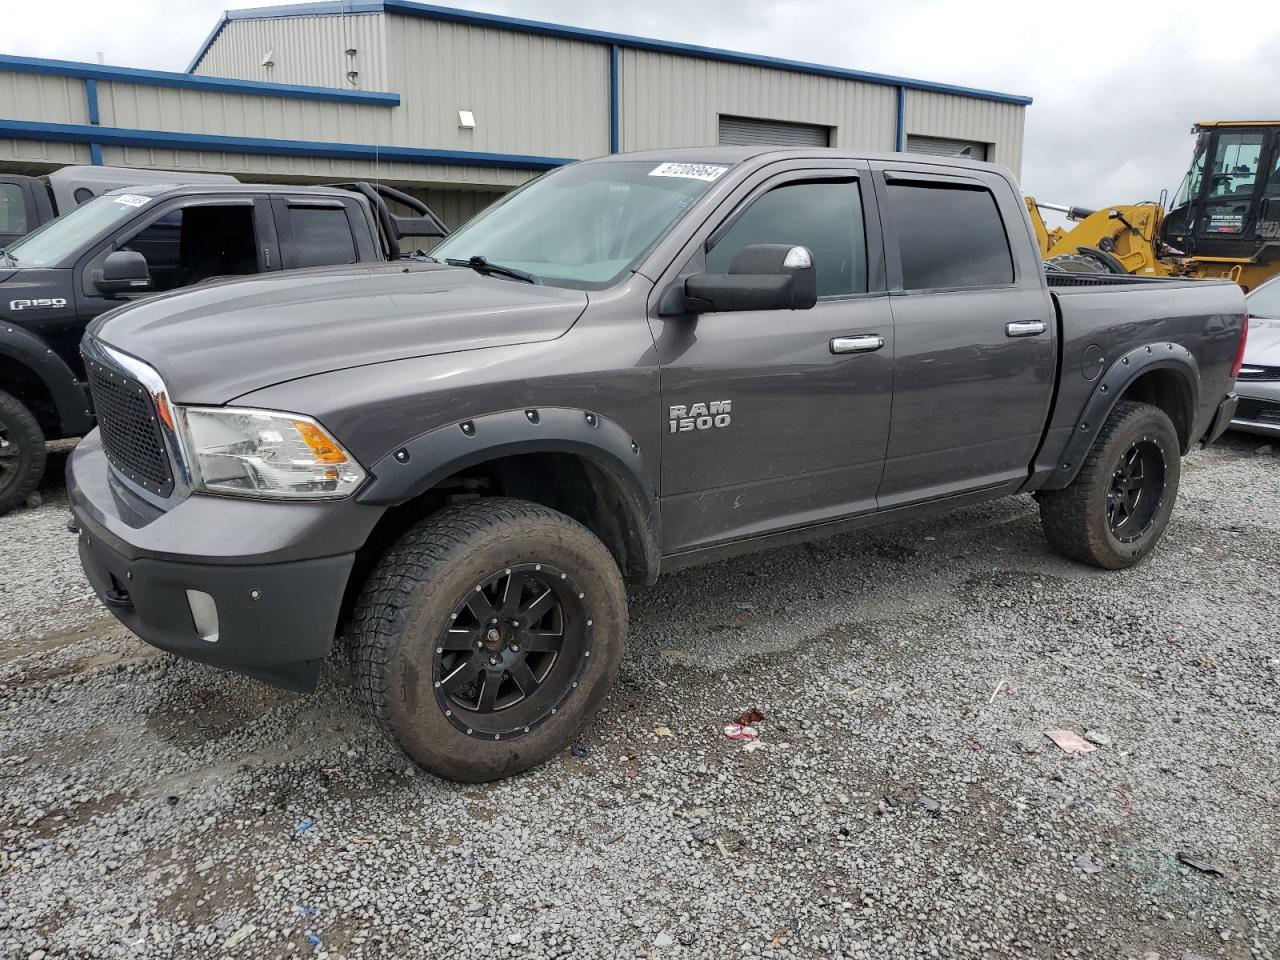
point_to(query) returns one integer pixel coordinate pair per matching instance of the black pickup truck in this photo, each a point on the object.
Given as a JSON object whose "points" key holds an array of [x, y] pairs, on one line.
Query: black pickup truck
{"points": [[136, 241], [630, 365], [30, 202]]}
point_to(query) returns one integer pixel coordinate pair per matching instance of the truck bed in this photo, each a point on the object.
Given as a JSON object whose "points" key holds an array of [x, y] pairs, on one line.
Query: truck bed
{"points": [[1103, 317]]}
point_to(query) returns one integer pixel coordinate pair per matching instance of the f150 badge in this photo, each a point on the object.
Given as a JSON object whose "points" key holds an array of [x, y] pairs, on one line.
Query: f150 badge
{"points": [[44, 303], [699, 416]]}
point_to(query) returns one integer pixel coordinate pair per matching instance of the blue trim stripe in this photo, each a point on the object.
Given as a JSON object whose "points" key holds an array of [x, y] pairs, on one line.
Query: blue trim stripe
{"points": [[900, 136], [615, 107], [91, 101], [170, 140], [411, 8], [162, 78], [91, 96]]}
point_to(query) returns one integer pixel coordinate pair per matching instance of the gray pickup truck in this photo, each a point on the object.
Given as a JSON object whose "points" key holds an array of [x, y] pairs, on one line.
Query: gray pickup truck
{"points": [[629, 365]]}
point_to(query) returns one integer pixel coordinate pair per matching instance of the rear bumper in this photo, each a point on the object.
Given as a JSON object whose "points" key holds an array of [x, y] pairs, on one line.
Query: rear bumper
{"points": [[276, 574]]}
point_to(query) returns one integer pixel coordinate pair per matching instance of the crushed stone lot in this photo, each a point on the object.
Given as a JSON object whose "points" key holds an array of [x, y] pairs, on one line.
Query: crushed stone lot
{"points": [[903, 800]]}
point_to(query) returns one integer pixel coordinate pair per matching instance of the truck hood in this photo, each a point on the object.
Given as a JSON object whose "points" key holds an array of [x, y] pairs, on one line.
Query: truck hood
{"points": [[216, 342], [1263, 346]]}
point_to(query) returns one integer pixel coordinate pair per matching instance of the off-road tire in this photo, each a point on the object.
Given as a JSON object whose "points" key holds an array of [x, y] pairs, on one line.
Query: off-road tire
{"points": [[1075, 518], [1078, 263], [22, 453], [406, 604]]}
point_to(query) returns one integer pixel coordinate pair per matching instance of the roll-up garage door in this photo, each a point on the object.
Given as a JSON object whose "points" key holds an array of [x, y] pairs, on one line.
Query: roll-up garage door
{"points": [[941, 147], [746, 131]]}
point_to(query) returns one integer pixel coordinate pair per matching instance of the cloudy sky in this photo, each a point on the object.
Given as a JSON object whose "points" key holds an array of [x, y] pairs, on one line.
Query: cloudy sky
{"points": [[1116, 85]]}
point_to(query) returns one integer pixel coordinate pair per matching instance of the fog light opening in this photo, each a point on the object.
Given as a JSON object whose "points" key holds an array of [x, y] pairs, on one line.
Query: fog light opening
{"points": [[204, 614]]}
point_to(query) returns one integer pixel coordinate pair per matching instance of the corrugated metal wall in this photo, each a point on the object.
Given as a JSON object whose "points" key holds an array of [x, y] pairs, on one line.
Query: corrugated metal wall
{"points": [[530, 94], [675, 101], [967, 118], [305, 50]]}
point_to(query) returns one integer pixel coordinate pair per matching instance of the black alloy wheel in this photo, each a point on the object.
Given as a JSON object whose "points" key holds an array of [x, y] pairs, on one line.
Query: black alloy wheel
{"points": [[512, 652], [1136, 490]]}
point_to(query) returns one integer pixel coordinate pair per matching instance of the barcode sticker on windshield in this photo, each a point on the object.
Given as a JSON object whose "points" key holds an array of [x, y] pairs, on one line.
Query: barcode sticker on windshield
{"points": [[132, 200], [690, 171]]}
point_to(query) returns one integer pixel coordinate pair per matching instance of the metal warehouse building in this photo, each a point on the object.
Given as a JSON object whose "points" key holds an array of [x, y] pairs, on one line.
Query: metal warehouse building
{"points": [[461, 106]]}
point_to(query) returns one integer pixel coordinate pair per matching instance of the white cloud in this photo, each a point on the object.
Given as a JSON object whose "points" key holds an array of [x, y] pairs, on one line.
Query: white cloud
{"points": [[1116, 86]]}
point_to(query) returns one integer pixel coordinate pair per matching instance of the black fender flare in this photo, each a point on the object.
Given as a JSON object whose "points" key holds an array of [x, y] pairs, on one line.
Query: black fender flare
{"points": [[1108, 391], [416, 466], [70, 398]]}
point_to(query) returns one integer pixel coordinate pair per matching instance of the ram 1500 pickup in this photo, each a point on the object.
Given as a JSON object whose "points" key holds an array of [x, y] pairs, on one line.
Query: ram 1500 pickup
{"points": [[135, 241], [629, 365]]}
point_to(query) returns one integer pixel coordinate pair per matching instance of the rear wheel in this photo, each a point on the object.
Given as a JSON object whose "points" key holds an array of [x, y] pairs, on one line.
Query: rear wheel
{"points": [[22, 453], [1115, 511], [488, 636]]}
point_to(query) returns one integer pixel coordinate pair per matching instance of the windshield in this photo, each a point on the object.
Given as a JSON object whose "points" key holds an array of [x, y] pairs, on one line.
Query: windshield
{"points": [[584, 225], [1264, 302], [62, 237]]}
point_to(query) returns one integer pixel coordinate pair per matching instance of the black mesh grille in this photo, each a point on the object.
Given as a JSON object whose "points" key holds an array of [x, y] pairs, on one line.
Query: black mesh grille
{"points": [[1258, 411], [130, 428]]}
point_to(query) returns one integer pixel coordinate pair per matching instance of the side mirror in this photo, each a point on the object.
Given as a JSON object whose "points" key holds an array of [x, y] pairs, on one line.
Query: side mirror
{"points": [[763, 276], [124, 271]]}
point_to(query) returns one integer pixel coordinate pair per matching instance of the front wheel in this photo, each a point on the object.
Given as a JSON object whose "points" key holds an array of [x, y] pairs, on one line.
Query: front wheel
{"points": [[487, 636], [1116, 509], [22, 453]]}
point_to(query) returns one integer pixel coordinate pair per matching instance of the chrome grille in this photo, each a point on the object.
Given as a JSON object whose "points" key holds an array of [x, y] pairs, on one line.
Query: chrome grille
{"points": [[1258, 411], [1252, 371], [130, 428]]}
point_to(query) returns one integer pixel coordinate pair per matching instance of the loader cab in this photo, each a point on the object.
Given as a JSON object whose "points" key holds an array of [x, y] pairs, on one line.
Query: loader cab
{"points": [[1228, 205]]}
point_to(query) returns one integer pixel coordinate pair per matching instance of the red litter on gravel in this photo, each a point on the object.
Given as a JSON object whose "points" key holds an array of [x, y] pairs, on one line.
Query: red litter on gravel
{"points": [[741, 731]]}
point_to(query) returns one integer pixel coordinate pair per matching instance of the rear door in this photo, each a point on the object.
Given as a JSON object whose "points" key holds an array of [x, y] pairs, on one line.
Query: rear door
{"points": [[975, 352], [778, 418]]}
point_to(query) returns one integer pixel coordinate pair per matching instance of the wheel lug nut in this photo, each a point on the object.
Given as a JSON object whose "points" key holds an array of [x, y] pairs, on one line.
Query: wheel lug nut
{"points": [[515, 648], [493, 661]]}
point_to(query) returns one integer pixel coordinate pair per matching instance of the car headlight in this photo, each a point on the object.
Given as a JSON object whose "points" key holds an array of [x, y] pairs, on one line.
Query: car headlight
{"points": [[260, 453]]}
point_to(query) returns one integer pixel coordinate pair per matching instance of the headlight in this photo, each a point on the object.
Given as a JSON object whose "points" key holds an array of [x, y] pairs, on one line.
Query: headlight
{"points": [[258, 453]]}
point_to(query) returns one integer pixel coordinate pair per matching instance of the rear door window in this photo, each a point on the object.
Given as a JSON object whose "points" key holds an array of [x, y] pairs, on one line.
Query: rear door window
{"points": [[949, 236], [13, 210], [823, 215], [316, 235]]}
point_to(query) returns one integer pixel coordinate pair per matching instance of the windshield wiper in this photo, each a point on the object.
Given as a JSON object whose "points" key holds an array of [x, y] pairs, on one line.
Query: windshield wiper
{"points": [[9, 257], [481, 265]]}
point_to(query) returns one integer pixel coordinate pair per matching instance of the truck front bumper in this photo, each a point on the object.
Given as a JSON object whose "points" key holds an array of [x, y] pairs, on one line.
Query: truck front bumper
{"points": [[1259, 409], [246, 585]]}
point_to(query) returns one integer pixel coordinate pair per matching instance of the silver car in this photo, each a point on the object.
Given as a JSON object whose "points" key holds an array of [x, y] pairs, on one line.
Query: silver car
{"points": [[1258, 385]]}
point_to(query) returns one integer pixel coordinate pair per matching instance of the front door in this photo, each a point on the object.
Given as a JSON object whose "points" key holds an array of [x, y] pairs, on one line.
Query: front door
{"points": [[975, 352], [777, 419]]}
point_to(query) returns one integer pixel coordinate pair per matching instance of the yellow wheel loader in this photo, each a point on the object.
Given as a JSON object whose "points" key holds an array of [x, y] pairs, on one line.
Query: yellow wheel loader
{"points": [[1224, 221]]}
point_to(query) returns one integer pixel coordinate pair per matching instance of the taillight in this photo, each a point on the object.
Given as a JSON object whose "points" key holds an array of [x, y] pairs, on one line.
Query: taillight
{"points": [[1244, 337]]}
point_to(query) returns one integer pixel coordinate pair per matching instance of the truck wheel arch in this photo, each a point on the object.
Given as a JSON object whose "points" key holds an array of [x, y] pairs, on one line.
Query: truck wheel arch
{"points": [[521, 448], [34, 365], [1163, 374]]}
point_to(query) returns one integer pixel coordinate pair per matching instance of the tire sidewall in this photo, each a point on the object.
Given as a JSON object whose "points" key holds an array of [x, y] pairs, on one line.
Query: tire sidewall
{"points": [[416, 720], [23, 430], [1149, 424]]}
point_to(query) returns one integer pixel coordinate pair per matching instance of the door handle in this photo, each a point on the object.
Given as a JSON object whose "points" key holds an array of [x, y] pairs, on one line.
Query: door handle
{"points": [[1024, 328], [864, 344]]}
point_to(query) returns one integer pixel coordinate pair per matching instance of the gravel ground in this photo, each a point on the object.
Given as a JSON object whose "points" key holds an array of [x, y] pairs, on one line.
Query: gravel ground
{"points": [[903, 801]]}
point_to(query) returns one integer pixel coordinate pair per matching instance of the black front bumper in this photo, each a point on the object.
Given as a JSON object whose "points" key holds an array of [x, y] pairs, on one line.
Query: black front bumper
{"points": [[276, 572], [275, 621]]}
